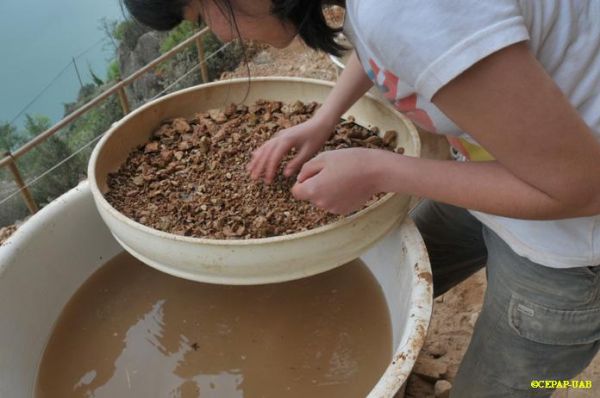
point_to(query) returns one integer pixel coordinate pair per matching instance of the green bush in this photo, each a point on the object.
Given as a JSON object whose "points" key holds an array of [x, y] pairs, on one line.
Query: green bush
{"points": [[14, 208], [50, 153], [10, 139], [177, 35], [227, 60], [128, 32], [113, 72], [93, 123]]}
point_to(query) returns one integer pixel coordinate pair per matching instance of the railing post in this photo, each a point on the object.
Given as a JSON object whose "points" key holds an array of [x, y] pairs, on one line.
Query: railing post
{"points": [[29, 201], [123, 99], [201, 59]]}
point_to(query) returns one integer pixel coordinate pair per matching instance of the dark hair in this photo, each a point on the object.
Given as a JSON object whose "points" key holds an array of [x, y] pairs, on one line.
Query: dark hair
{"points": [[157, 14], [306, 15]]}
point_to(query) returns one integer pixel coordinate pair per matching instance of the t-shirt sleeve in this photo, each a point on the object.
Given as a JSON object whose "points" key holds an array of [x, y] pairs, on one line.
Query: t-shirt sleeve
{"points": [[427, 43]]}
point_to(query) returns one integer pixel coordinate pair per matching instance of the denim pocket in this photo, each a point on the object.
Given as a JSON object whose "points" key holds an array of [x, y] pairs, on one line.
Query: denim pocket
{"points": [[547, 325]]}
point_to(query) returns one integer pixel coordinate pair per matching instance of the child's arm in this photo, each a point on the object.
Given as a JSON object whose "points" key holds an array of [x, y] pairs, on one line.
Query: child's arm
{"points": [[547, 160], [311, 135], [351, 85]]}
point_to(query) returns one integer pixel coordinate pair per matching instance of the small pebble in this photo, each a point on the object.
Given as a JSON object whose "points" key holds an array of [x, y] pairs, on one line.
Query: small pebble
{"points": [[441, 389]]}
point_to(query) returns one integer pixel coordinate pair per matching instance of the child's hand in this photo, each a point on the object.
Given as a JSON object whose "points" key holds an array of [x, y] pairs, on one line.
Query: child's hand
{"points": [[340, 181], [307, 138]]}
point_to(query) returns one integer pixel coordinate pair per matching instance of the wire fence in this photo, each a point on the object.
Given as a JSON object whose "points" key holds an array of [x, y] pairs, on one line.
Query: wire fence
{"points": [[9, 196]]}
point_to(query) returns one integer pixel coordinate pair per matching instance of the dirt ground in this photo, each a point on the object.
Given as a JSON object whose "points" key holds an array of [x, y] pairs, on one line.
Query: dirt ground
{"points": [[454, 313]]}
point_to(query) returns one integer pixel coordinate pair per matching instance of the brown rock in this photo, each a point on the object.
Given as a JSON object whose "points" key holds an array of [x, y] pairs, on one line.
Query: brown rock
{"points": [[138, 180], [204, 145], [436, 349], [166, 155], [184, 146], [452, 371], [429, 368], [220, 135], [389, 138], [230, 110], [217, 115], [180, 125], [151, 147], [417, 387], [6, 232], [442, 388], [292, 109], [163, 130], [374, 140], [472, 319]]}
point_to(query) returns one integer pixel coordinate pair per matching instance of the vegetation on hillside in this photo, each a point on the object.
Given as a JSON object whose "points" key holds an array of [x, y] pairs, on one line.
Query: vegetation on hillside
{"points": [[96, 121]]}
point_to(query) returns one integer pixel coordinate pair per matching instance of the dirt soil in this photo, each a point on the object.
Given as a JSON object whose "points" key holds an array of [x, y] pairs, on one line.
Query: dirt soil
{"points": [[190, 178], [7, 231], [455, 313]]}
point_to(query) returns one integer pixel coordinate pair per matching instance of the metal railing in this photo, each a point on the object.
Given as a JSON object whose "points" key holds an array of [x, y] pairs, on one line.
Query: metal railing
{"points": [[10, 158]]}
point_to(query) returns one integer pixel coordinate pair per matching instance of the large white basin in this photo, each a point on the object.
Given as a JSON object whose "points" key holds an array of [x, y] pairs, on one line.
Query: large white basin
{"points": [[52, 254]]}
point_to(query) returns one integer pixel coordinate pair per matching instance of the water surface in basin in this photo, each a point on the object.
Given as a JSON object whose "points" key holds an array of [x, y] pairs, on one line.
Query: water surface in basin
{"points": [[131, 331]]}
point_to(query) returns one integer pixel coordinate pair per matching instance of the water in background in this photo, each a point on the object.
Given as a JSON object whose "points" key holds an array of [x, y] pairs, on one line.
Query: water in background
{"points": [[38, 39]]}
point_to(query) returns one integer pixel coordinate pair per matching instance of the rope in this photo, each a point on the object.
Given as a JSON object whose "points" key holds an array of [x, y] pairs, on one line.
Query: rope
{"points": [[33, 181], [89, 48], [53, 80], [42, 92]]}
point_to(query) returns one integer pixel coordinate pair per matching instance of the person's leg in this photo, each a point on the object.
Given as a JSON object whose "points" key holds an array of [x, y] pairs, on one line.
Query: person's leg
{"points": [[454, 241], [537, 323]]}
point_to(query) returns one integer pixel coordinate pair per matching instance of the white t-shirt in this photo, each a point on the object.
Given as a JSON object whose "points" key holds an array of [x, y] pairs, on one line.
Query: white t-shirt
{"points": [[412, 48]]}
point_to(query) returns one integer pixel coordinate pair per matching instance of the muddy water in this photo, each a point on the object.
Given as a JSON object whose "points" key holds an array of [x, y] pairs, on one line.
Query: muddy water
{"points": [[131, 331]]}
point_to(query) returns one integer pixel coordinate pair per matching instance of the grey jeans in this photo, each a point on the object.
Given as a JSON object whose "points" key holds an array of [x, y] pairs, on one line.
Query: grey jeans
{"points": [[537, 322]]}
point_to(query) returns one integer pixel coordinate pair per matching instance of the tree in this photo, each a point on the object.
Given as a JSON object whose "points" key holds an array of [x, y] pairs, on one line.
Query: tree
{"points": [[9, 138], [97, 81], [43, 158]]}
